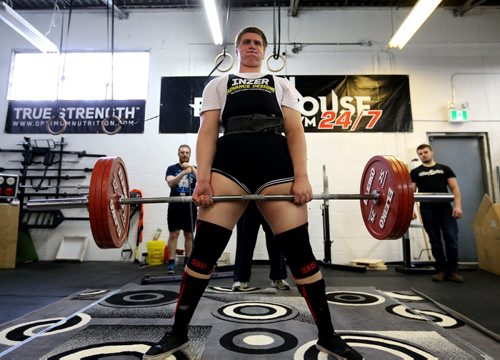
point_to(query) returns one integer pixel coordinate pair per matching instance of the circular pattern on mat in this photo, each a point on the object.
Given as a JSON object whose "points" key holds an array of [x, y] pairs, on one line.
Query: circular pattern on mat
{"points": [[353, 298], [258, 341], [444, 320], [255, 312], [100, 351], [378, 347], [141, 298], [20, 332]]}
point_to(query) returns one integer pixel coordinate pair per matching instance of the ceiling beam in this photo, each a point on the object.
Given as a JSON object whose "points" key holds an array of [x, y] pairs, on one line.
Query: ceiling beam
{"points": [[118, 12], [469, 5], [294, 7]]}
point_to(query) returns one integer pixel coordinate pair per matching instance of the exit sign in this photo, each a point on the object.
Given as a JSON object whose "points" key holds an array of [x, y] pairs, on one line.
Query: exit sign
{"points": [[457, 115]]}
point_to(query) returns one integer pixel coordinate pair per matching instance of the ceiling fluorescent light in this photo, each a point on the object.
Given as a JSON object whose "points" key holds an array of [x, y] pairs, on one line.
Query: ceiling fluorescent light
{"points": [[213, 21], [25, 29], [420, 12]]}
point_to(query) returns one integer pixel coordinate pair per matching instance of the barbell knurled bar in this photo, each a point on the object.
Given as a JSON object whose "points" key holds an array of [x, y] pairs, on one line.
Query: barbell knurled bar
{"points": [[83, 202]]}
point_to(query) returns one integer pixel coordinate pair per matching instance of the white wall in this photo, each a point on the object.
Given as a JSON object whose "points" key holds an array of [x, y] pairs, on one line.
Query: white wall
{"points": [[448, 53]]}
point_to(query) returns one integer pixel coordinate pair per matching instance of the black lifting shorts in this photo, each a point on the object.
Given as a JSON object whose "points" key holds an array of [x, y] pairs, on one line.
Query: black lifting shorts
{"points": [[182, 216], [254, 160]]}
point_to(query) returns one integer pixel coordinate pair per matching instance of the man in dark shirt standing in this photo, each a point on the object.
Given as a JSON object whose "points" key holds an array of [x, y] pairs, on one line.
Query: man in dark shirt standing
{"points": [[439, 217], [181, 178]]}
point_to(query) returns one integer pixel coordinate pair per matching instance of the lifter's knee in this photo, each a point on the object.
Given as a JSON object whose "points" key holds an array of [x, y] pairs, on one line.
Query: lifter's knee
{"points": [[209, 243], [295, 246]]}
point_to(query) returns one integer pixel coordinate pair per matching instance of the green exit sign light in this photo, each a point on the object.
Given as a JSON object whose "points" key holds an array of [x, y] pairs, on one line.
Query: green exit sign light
{"points": [[457, 115]]}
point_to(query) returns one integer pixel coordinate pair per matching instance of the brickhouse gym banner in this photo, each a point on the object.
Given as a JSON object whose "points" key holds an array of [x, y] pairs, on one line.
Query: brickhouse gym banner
{"points": [[81, 116], [337, 103]]}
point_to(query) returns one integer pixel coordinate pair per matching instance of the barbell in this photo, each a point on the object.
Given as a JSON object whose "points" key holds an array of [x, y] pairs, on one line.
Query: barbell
{"points": [[386, 199]]}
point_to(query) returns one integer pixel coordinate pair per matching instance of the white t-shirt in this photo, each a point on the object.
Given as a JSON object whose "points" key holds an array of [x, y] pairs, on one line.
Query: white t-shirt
{"points": [[214, 94]]}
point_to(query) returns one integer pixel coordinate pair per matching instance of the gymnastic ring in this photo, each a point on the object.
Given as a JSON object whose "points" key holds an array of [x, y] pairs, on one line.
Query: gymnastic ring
{"points": [[223, 55], [107, 120], [57, 118], [278, 68]]}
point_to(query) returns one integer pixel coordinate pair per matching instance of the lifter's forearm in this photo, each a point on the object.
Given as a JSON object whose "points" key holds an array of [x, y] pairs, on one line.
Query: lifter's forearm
{"points": [[296, 141], [206, 144]]}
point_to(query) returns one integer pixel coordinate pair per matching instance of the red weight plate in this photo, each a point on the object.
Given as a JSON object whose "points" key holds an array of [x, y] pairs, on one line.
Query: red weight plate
{"points": [[405, 218], [114, 214], [403, 197], [105, 239], [406, 202], [118, 215], [95, 192], [381, 217], [109, 219], [411, 198]]}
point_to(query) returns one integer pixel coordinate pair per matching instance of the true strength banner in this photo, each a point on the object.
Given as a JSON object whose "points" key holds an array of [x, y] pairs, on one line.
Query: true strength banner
{"points": [[337, 103], [78, 117]]}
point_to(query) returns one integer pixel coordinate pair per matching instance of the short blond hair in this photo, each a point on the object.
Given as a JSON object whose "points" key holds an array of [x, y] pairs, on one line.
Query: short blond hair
{"points": [[250, 29]]}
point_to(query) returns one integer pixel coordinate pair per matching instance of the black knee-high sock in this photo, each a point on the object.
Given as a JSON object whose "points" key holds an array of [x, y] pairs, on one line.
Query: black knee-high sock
{"points": [[315, 296], [208, 245], [295, 245], [190, 294]]}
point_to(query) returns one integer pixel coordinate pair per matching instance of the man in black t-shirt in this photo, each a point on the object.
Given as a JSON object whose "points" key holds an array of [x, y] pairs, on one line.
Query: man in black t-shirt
{"points": [[181, 178], [439, 218]]}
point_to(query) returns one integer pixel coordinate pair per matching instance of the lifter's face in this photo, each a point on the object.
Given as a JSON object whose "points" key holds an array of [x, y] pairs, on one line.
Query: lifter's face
{"points": [[184, 154], [425, 155], [250, 51]]}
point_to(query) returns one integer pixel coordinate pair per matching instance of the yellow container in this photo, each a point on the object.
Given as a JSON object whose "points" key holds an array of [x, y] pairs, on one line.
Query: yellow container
{"points": [[156, 252]]}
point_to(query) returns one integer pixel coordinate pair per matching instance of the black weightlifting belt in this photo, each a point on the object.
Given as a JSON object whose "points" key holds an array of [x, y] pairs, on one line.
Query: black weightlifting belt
{"points": [[253, 123]]}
